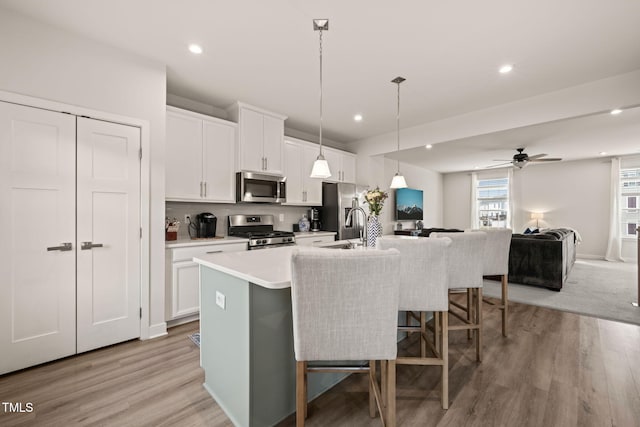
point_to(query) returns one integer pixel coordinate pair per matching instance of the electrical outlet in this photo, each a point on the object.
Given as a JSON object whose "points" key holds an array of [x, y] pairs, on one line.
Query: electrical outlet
{"points": [[281, 218], [221, 300], [187, 219]]}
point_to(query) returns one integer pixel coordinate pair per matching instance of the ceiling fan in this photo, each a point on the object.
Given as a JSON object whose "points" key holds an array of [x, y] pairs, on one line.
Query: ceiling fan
{"points": [[522, 159]]}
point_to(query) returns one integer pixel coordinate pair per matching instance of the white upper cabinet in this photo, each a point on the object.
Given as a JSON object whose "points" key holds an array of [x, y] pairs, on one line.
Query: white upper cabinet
{"points": [[200, 157], [342, 165], [260, 139], [298, 161]]}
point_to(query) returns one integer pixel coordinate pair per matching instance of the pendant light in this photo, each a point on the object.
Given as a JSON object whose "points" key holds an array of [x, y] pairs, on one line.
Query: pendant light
{"points": [[398, 180], [320, 166]]}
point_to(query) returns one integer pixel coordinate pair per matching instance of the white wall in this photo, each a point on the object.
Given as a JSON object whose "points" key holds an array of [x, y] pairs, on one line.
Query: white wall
{"points": [[44, 62], [379, 171], [570, 194]]}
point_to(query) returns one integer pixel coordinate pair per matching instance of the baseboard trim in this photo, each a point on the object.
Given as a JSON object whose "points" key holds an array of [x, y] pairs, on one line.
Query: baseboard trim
{"points": [[157, 330], [589, 256], [183, 320]]}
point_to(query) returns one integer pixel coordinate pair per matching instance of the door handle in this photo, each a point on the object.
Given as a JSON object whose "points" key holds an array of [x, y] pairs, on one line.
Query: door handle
{"points": [[90, 245], [63, 247]]}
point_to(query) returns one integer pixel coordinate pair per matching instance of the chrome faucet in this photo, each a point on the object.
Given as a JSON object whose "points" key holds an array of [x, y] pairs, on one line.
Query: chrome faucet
{"points": [[363, 235]]}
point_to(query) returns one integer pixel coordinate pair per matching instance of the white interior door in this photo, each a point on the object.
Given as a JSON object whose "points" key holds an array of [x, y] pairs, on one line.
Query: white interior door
{"points": [[37, 212], [108, 242]]}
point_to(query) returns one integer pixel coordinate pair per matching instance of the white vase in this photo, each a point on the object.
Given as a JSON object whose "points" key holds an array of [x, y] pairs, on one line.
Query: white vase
{"points": [[374, 229]]}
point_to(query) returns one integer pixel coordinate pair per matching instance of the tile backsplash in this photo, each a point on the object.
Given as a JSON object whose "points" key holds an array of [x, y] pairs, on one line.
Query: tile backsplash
{"points": [[292, 214]]}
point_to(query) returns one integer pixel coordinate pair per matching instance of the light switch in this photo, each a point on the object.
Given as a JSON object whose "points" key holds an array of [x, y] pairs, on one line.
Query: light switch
{"points": [[281, 217], [221, 300]]}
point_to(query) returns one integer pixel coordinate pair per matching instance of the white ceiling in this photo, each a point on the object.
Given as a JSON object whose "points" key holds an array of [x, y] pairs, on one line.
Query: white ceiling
{"points": [[570, 139], [266, 53]]}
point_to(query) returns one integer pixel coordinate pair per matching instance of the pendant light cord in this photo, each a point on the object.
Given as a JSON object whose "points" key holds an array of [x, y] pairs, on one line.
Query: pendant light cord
{"points": [[320, 93], [398, 126]]}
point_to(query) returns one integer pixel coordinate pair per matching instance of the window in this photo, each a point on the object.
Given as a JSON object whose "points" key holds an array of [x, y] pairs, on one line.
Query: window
{"points": [[629, 207], [492, 198]]}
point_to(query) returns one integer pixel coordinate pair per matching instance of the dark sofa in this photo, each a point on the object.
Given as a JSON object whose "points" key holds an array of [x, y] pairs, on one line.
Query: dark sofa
{"points": [[542, 259]]}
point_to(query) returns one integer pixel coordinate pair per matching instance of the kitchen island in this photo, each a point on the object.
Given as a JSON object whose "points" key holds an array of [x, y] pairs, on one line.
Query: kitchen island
{"points": [[246, 335]]}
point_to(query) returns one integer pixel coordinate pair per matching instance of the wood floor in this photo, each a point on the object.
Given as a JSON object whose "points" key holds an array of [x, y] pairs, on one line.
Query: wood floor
{"points": [[555, 369]]}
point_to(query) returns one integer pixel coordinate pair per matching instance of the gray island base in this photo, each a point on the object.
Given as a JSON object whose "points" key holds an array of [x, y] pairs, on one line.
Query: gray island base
{"points": [[247, 345]]}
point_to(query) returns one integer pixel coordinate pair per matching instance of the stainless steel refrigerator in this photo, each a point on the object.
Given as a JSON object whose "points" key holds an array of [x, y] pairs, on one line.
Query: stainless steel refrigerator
{"points": [[337, 200]]}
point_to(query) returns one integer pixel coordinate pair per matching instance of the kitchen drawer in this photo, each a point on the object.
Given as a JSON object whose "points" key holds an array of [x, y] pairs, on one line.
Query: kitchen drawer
{"points": [[313, 240], [187, 254]]}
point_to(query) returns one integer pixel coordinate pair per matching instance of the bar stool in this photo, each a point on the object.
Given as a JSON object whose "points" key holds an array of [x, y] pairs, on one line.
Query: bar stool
{"points": [[496, 263], [424, 287], [345, 308], [465, 266]]}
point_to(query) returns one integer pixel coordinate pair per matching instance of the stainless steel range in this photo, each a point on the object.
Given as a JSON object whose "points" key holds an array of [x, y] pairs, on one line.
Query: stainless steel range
{"points": [[259, 230]]}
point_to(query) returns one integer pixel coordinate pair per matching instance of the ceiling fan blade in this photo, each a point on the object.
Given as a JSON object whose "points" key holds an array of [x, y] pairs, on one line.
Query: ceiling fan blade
{"points": [[537, 156], [498, 165], [550, 159], [502, 160]]}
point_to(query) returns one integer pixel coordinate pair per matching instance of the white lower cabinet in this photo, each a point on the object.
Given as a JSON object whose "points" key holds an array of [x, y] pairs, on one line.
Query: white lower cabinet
{"points": [[314, 240], [182, 290]]}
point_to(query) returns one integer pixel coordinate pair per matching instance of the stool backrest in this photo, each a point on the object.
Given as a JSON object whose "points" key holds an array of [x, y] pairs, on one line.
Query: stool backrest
{"points": [[345, 304], [496, 252], [424, 284], [465, 263]]}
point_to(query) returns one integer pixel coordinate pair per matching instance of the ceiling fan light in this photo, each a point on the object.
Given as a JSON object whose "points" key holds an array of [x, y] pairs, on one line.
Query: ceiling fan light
{"points": [[320, 168], [398, 181]]}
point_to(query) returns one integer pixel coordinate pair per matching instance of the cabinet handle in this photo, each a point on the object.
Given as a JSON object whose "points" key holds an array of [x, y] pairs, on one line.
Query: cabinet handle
{"points": [[88, 245], [317, 241], [62, 248], [205, 189], [266, 163], [200, 188], [214, 252]]}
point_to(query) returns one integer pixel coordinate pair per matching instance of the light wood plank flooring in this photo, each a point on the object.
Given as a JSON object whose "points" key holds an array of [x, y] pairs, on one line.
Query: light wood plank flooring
{"points": [[555, 369]]}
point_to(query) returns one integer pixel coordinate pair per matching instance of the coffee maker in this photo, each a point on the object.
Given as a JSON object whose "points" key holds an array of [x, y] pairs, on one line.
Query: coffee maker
{"points": [[204, 226], [314, 219]]}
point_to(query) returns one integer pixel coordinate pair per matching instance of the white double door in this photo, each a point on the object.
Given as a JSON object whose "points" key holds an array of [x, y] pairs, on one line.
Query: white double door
{"points": [[70, 227]]}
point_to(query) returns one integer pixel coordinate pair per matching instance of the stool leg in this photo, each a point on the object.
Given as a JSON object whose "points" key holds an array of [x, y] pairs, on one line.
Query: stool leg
{"points": [[479, 322], [301, 393], [445, 359], [391, 394], [372, 396], [436, 330], [423, 334], [383, 380], [505, 304], [469, 310]]}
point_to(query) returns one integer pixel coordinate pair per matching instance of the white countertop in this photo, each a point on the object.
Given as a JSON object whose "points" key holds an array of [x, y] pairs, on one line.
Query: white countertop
{"points": [[203, 242], [269, 268]]}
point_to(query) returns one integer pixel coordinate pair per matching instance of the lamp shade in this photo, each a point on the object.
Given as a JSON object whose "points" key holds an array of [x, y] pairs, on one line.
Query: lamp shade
{"points": [[398, 181], [537, 215], [320, 168]]}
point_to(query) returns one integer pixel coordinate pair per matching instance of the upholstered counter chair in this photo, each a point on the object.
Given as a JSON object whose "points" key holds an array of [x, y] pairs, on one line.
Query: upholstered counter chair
{"points": [[345, 308], [496, 263], [424, 288], [465, 268]]}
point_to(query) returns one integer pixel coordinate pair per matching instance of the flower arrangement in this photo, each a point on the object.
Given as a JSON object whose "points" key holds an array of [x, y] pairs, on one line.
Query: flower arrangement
{"points": [[375, 199]]}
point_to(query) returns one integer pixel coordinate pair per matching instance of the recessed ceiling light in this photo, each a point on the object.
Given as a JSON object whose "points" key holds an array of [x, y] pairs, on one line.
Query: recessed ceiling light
{"points": [[603, 153], [428, 146], [506, 68], [616, 111], [195, 49], [357, 117], [476, 167]]}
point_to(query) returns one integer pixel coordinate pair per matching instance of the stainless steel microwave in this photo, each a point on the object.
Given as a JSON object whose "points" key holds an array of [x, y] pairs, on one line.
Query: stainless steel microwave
{"points": [[259, 187]]}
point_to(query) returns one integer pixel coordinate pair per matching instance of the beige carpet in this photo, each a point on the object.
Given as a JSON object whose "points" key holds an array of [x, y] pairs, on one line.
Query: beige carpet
{"points": [[595, 288]]}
